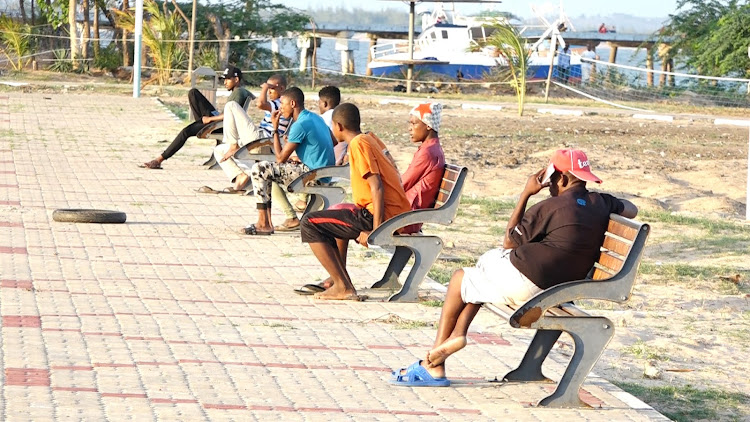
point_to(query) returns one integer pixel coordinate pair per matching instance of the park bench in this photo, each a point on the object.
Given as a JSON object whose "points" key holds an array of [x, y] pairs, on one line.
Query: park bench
{"points": [[424, 248], [215, 131], [551, 312]]}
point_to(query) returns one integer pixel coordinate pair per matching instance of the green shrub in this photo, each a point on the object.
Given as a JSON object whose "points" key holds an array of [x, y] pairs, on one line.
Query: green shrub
{"points": [[62, 62]]}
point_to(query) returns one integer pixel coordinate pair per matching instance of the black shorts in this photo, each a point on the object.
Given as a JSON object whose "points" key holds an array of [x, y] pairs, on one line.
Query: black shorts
{"points": [[329, 225]]}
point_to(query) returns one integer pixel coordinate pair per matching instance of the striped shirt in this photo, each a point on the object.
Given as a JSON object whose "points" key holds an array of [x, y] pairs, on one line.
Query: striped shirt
{"points": [[267, 127]]}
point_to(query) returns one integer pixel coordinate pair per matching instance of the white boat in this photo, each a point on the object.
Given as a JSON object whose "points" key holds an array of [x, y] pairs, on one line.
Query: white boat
{"points": [[451, 42]]}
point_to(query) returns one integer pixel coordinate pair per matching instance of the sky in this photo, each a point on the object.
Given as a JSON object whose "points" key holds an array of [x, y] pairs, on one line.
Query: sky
{"points": [[573, 8]]}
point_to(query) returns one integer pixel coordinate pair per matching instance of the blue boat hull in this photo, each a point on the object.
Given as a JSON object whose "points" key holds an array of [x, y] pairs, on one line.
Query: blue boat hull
{"points": [[470, 71]]}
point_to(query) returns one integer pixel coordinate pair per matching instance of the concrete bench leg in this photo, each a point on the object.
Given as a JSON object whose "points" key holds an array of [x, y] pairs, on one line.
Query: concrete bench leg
{"points": [[530, 369], [397, 264], [590, 335], [426, 250]]}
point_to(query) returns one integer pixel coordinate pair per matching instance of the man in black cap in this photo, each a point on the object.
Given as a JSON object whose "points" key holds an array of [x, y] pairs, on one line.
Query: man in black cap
{"points": [[205, 112]]}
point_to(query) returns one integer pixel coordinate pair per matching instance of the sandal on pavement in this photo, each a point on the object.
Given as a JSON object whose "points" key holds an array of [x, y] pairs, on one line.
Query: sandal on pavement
{"points": [[232, 190], [396, 373], [284, 227], [251, 230], [207, 189], [417, 376], [153, 165], [310, 289]]}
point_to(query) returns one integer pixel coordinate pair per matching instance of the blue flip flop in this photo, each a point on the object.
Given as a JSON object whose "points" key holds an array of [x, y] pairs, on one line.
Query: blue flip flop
{"points": [[397, 372], [417, 376]]}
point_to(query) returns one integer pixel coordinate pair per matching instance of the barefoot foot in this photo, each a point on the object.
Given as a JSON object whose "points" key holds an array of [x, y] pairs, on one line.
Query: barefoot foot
{"points": [[438, 355]]}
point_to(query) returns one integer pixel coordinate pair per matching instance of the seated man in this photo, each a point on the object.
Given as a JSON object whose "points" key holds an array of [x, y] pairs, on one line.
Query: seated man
{"points": [[377, 194], [422, 178], [329, 97], [309, 137], [204, 112], [421, 181], [239, 130], [554, 241]]}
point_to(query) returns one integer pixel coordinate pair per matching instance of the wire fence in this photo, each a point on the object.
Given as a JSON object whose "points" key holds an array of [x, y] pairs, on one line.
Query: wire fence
{"points": [[621, 84], [615, 84]]}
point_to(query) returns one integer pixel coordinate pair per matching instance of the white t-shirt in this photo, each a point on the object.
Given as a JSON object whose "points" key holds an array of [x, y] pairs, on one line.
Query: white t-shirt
{"points": [[328, 118]]}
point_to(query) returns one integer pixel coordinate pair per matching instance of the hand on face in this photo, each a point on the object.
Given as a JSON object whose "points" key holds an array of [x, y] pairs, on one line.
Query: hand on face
{"points": [[534, 183], [275, 117]]}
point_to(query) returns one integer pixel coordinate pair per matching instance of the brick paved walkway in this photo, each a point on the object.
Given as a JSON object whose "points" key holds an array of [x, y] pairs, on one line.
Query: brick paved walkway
{"points": [[173, 316]]}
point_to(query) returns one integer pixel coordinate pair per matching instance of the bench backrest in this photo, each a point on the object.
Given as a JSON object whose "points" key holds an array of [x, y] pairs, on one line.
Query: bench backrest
{"points": [[620, 254], [449, 194], [617, 244]]}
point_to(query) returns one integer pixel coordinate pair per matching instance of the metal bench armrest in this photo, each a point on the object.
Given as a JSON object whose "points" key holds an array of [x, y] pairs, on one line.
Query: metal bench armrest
{"points": [[209, 129], [382, 235], [243, 152], [298, 184]]}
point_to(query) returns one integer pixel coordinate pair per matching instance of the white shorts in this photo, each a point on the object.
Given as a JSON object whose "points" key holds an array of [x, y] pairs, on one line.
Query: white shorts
{"points": [[495, 279]]}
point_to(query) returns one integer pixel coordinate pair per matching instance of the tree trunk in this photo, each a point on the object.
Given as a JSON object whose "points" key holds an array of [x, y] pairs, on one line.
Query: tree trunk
{"points": [[96, 30], [33, 14], [222, 34], [125, 48], [73, 33], [86, 30], [22, 9]]}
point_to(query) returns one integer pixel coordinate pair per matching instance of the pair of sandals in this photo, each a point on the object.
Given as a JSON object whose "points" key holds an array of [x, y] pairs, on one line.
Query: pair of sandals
{"points": [[229, 190]]}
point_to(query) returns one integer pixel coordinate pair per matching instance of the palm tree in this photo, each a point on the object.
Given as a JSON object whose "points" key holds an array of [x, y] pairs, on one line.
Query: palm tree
{"points": [[159, 35], [512, 48]]}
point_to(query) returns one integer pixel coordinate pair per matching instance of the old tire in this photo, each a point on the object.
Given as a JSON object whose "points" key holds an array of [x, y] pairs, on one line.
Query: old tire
{"points": [[88, 216]]}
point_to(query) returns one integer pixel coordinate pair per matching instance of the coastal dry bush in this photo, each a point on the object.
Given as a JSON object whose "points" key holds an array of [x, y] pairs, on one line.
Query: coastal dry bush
{"points": [[16, 42], [161, 30]]}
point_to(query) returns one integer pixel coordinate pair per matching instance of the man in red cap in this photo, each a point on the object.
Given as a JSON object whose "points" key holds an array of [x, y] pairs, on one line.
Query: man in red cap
{"points": [[554, 241]]}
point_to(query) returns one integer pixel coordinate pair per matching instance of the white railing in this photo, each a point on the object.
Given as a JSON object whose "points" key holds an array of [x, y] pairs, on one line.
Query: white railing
{"points": [[379, 51]]}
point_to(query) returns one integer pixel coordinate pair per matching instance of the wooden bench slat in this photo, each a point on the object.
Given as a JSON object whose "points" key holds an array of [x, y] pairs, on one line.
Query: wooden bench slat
{"points": [[447, 184], [616, 245], [610, 261], [601, 273], [573, 310], [451, 175], [622, 230]]}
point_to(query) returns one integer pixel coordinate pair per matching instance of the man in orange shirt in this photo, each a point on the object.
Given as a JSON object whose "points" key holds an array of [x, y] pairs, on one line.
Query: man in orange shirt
{"points": [[377, 194]]}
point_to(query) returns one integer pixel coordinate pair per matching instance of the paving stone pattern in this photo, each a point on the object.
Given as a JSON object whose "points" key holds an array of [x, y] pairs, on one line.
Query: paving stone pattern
{"points": [[175, 316]]}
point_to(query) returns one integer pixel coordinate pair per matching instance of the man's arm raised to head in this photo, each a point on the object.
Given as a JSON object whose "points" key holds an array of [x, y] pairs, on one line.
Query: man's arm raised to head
{"points": [[533, 186], [629, 209], [262, 101]]}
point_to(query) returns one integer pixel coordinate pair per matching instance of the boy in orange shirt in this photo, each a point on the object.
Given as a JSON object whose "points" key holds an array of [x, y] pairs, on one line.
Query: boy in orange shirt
{"points": [[377, 194]]}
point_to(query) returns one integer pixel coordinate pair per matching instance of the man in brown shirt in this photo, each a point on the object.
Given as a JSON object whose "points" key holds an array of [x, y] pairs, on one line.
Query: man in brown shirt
{"points": [[554, 241]]}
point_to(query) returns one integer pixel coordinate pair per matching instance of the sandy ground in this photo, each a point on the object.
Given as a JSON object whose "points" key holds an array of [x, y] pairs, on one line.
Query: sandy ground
{"points": [[692, 330]]}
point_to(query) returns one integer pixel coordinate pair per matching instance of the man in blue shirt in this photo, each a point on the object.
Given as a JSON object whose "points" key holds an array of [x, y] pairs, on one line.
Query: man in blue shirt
{"points": [[309, 137]]}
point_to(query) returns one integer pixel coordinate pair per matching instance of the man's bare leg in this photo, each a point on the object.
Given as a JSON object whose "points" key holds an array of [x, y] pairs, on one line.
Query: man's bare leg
{"points": [[264, 224], [241, 181], [343, 247], [329, 257]]}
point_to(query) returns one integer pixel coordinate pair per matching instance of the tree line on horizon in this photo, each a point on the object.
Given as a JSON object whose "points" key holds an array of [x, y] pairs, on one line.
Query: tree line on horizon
{"points": [[710, 37]]}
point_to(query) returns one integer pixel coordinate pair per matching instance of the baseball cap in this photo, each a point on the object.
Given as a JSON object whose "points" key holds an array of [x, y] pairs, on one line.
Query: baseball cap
{"points": [[573, 161], [231, 72]]}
